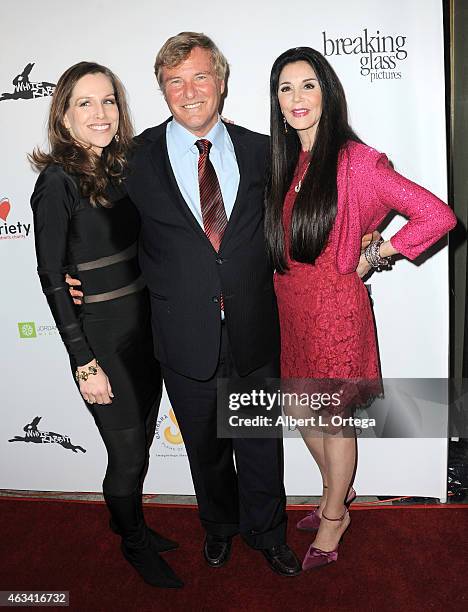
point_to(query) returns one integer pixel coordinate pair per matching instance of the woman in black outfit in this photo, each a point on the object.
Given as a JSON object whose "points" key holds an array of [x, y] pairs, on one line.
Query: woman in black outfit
{"points": [[86, 225]]}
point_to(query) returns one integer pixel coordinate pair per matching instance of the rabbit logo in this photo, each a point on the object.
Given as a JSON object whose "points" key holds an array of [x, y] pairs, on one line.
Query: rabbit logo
{"points": [[24, 89], [35, 435]]}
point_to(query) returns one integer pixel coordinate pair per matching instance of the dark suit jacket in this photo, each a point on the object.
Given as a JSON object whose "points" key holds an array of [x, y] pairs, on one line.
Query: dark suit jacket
{"points": [[185, 275]]}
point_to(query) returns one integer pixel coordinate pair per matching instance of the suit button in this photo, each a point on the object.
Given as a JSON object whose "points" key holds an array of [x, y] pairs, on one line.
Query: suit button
{"points": [[219, 260], [215, 299]]}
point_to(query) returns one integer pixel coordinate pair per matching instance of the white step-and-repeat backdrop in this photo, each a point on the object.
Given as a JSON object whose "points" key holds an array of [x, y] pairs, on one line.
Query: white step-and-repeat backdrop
{"points": [[390, 59]]}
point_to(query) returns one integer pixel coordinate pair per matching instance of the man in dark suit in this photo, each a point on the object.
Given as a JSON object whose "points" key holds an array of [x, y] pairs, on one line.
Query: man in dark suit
{"points": [[189, 278], [198, 185]]}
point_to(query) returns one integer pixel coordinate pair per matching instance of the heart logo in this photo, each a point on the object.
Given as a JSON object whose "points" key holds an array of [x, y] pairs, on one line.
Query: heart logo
{"points": [[4, 208]]}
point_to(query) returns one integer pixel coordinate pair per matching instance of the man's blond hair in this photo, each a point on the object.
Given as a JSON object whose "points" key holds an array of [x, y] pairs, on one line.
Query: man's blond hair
{"points": [[177, 48]]}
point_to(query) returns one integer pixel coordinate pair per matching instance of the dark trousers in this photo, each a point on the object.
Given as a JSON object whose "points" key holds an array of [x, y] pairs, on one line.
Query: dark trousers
{"points": [[248, 496]]}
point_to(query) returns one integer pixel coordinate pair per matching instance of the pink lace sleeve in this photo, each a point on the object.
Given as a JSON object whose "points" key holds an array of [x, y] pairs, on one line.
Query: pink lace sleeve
{"points": [[429, 218]]}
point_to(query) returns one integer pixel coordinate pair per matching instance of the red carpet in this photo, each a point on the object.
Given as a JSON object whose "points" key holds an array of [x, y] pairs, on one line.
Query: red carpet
{"points": [[395, 559]]}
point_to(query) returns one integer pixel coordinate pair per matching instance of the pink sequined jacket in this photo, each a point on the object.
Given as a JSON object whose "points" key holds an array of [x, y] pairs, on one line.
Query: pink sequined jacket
{"points": [[368, 189]]}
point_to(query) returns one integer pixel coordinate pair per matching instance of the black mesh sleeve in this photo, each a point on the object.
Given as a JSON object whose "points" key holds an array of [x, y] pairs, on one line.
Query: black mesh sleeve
{"points": [[52, 203]]}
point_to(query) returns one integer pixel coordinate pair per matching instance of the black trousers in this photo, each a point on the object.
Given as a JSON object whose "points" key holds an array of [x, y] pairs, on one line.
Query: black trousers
{"points": [[246, 496]]}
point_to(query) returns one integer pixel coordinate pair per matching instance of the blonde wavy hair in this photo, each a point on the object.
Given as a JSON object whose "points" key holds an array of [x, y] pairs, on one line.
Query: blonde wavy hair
{"points": [[177, 48]]}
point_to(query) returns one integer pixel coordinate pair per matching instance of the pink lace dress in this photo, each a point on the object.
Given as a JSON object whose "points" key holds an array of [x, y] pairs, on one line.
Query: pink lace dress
{"points": [[326, 320]]}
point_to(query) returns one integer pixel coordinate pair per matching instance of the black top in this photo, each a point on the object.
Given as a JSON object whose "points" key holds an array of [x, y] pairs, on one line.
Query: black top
{"points": [[95, 244]]}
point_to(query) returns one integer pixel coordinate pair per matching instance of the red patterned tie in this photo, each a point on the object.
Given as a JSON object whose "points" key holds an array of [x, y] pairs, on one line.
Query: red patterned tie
{"points": [[211, 199]]}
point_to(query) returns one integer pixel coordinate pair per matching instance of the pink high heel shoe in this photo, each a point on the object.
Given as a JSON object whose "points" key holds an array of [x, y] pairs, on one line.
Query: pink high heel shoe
{"points": [[315, 557], [311, 522]]}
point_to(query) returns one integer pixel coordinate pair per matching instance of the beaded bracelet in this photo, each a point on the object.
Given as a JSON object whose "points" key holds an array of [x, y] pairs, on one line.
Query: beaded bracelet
{"points": [[373, 257]]}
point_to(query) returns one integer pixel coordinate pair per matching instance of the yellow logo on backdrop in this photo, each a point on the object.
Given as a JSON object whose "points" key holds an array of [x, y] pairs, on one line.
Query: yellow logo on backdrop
{"points": [[173, 438]]}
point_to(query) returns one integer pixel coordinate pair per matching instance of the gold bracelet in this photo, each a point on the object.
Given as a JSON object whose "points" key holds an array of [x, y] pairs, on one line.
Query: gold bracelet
{"points": [[83, 375]]}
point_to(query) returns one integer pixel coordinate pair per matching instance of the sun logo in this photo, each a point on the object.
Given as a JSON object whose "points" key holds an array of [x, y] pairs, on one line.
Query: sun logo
{"points": [[173, 438]]}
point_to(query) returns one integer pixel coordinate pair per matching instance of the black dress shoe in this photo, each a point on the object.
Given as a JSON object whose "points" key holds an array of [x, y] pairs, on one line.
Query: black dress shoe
{"points": [[217, 550], [282, 560]]}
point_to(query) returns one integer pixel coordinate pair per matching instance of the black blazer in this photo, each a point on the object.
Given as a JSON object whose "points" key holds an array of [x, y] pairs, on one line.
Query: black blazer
{"points": [[186, 276]]}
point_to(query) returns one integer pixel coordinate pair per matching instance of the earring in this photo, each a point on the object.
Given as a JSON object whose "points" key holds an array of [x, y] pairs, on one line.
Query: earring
{"points": [[116, 138], [285, 125]]}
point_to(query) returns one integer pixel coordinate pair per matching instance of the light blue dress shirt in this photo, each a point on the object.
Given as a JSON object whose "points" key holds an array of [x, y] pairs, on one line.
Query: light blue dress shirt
{"points": [[183, 155]]}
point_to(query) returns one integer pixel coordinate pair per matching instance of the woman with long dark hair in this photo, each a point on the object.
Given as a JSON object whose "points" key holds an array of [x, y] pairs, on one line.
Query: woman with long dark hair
{"points": [[326, 190], [86, 225]]}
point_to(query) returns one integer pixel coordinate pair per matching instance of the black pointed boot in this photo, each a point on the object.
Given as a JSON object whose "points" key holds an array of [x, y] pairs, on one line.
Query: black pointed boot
{"points": [[136, 546], [157, 541]]}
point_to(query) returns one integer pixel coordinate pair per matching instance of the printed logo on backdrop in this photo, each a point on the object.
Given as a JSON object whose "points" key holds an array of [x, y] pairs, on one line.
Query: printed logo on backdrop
{"points": [[36, 436], [168, 436], [29, 329], [380, 56], [11, 230], [25, 89]]}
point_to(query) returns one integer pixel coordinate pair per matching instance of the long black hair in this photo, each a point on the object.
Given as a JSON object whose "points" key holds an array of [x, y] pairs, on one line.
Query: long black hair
{"points": [[315, 206]]}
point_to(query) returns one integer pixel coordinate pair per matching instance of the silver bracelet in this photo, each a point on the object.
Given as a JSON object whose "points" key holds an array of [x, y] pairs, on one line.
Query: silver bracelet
{"points": [[373, 257]]}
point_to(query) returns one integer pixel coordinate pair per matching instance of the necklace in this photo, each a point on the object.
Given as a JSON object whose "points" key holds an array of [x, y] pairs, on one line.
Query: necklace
{"points": [[297, 188]]}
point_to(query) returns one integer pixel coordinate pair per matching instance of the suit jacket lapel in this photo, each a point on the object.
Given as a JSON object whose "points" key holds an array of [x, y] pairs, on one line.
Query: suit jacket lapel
{"points": [[162, 166], [241, 153]]}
